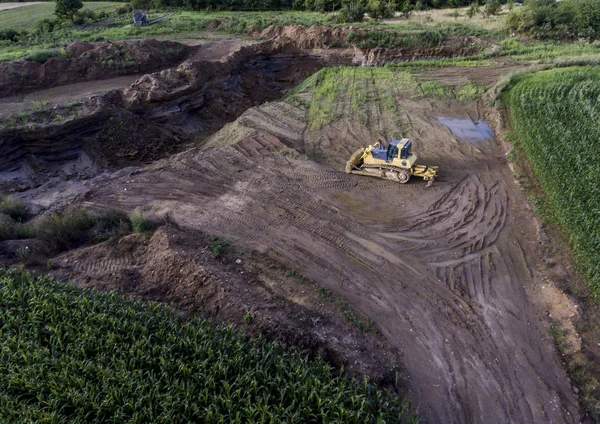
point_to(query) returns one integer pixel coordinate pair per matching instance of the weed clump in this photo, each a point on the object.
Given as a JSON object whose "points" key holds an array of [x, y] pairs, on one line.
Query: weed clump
{"points": [[14, 208], [140, 222]]}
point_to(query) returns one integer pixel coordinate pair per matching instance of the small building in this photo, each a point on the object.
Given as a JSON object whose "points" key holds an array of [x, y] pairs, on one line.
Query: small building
{"points": [[139, 18]]}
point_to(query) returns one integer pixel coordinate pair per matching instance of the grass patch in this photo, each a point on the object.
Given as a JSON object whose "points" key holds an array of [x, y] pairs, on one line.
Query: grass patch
{"points": [[26, 17], [556, 116], [436, 90], [470, 92], [72, 355], [368, 95]]}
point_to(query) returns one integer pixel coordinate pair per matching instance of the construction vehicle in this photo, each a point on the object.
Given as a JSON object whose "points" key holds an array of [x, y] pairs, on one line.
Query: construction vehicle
{"points": [[396, 162]]}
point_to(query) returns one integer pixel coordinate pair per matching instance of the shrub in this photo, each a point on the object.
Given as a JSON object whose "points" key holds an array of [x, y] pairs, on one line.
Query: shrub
{"points": [[379, 9], [140, 222], [220, 247], [492, 7], [67, 230], [352, 12], [9, 34], [41, 56], [473, 10], [11, 230], [46, 26], [15, 208], [66, 9], [111, 224]]}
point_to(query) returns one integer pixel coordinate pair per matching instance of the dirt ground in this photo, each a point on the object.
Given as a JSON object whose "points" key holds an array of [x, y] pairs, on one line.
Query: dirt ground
{"points": [[448, 275], [209, 50]]}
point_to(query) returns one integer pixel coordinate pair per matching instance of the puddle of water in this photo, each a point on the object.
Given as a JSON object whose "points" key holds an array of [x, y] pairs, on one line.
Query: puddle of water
{"points": [[465, 129]]}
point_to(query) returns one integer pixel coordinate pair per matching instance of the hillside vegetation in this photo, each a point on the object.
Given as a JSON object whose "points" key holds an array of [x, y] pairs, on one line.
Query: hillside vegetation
{"points": [[80, 356], [26, 18], [556, 116]]}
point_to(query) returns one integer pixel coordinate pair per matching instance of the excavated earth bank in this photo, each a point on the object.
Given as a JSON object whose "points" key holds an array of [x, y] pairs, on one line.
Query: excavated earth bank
{"points": [[447, 275], [86, 62]]}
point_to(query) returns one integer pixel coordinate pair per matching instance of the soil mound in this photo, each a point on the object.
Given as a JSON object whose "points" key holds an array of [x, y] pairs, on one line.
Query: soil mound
{"points": [[85, 62], [178, 267]]}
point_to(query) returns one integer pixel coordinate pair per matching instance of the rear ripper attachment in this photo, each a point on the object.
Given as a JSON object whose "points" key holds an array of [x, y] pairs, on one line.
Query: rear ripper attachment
{"points": [[396, 163]]}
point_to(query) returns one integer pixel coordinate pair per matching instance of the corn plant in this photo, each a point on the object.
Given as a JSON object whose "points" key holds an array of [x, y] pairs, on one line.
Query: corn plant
{"points": [[70, 355], [556, 116]]}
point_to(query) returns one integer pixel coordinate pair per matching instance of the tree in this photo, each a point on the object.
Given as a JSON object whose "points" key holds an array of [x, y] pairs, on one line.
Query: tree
{"points": [[65, 9], [492, 7], [473, 9]]}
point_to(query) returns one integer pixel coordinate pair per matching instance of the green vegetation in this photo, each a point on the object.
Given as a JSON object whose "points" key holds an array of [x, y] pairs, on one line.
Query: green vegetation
{"points": [[370, 96], [140, 222], [71, 229], [65, 9], [16, 209], [552, 19], [81, 356], [556, 116], [220, 247], [27, 17], [390, 39]]}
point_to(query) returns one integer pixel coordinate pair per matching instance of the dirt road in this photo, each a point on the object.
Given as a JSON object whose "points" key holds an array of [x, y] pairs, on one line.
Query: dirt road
{"points": [[447, 274], [8, 6]]}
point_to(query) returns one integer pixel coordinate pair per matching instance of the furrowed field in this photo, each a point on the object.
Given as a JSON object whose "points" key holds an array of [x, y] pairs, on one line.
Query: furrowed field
{"points": [[556, 116], [79, 356]]}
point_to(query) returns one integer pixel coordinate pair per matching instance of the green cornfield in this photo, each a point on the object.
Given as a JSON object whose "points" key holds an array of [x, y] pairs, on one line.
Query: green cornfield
{"points": [[556, 117], [75, 356]]}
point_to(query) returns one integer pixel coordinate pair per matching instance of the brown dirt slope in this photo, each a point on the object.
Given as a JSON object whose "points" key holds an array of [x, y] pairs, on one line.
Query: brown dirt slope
{"points": [[85, 61], [446, 274]]}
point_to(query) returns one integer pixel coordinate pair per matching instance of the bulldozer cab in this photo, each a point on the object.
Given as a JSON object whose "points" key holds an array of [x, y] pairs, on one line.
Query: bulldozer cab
{"points": [[404, 146]]}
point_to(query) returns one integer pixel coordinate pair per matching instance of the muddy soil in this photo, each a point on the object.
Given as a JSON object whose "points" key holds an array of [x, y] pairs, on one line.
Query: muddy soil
{"points": [[448, 275]]}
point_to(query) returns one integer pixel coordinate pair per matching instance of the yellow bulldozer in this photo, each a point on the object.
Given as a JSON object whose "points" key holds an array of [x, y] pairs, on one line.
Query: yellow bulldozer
{"points": [[396, 162]]}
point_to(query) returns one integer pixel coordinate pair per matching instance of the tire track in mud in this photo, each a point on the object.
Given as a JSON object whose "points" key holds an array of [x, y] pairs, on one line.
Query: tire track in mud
{"points": [[436, 270]]}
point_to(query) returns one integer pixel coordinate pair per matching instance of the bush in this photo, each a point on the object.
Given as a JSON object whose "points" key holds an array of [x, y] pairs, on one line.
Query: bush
{"points": [[352, 12], [492, 7], [46, 26], [10, 35], [140, 222], [42, 56], [473, 10], [15, 208], [11, 230], [71, 229], [67, 230], [111, 224], [379, 9], [551, 19], [84, 16], [65, 9]]}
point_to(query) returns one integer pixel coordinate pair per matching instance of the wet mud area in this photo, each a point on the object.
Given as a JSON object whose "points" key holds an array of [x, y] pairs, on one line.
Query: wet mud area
{"points": [[429, 291]]}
